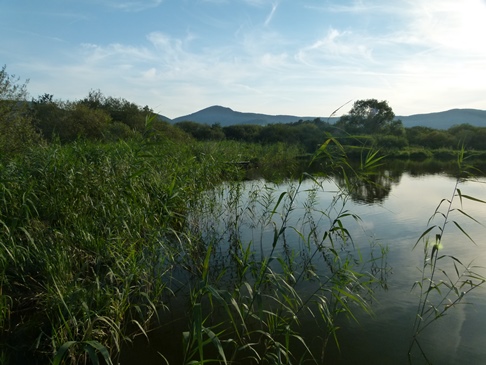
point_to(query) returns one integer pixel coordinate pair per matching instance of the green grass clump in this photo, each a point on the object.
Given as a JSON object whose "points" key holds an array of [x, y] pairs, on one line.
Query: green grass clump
{"points": [[99, 239], [86, 232]]}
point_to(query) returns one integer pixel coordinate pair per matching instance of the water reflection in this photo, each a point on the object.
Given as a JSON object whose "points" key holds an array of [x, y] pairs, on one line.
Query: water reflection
{"points": [[409, 193], [378, 184], [375, 189], [394, 209]]}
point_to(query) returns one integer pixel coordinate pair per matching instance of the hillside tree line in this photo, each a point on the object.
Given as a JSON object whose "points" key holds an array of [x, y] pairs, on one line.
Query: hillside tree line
{"points": [[44, 119]]}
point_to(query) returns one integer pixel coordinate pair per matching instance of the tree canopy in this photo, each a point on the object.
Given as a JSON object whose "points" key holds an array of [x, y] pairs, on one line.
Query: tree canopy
{"points": [[370, 116], [16, 128]]}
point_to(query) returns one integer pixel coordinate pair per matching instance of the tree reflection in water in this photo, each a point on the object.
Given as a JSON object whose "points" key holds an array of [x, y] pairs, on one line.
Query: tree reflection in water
{"points": [[378, 185]]}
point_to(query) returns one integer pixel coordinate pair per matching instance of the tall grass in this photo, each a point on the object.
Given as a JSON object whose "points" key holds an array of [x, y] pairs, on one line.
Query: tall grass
{"points": [[98, 242], [84, 239], [246, 304]]}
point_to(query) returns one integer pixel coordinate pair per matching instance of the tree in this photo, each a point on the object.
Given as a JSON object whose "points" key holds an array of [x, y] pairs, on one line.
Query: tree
{"points": [[119, 109], [17, 131], [370, 117], [243, 132], [84, 122], [469, 136], [199, 131], [68, 121], [48, 115]]}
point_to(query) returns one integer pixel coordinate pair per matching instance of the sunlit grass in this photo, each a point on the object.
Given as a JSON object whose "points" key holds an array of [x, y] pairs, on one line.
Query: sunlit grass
{"points": [[99, 240]]}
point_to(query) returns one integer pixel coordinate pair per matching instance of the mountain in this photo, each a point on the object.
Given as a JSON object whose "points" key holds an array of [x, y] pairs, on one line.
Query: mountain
{"points": [[446, 119], [163, 118], [226, 116], [440, 120]]}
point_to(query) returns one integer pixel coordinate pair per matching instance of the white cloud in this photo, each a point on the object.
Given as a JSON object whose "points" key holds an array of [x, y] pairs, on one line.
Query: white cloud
{"points": [[450, 25], [358, 7], [346, 46], [272, 12], [134, 5], [258, 2], [414, 54], [115, 53]]}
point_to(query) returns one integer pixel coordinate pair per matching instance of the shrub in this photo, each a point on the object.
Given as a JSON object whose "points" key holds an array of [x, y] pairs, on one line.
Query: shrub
{"points": [[391, 142], [17, 131]]}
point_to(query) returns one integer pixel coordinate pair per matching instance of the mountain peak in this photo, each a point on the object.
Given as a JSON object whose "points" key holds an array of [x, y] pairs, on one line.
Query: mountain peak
{"points": [[226, 116], [216, 108]]}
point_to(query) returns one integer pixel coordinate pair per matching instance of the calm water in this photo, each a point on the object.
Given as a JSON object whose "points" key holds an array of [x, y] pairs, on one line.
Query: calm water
{"points": [[394, 216], [398, 221]]}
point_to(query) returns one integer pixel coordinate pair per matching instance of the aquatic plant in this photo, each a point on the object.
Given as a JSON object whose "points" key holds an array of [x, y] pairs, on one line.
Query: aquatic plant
{"points": [[252, 306], [445, 280], [99, 240]]}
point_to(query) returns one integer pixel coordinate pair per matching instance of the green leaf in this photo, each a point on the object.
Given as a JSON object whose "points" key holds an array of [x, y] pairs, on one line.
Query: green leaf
{"points": [[206, 264], [102, 349], [62, 351], [278, 203], [473, 199], [216, 342], [470, 217], [423, 235], [92, 354], [463, 231]]}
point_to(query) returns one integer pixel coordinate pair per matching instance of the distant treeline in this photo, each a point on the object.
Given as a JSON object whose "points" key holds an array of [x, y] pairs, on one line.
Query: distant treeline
{"points": [[108, 118], [103, 118], [311, 133]]}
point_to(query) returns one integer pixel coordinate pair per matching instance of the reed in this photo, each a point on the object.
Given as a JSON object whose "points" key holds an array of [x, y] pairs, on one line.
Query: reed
{"points": [[84, 231], [99, 240], [251, 308], [445, 280]]}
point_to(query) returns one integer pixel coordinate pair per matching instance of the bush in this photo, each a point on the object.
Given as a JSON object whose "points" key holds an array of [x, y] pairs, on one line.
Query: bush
{"points": [[116, 131], [390, 142], [17, 131]]}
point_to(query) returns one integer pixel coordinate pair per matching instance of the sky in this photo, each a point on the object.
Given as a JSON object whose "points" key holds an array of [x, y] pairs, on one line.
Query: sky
{"points": [[294, 57]]}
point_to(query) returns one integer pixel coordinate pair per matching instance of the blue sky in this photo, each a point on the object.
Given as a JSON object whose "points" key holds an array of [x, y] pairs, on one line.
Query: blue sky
{"points": [[298, 57]]}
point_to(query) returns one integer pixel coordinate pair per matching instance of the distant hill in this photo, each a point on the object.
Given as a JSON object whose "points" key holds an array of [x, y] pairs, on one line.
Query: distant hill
{"points": [[163, 118], [440, 120], [226, 116], [446, 119]]}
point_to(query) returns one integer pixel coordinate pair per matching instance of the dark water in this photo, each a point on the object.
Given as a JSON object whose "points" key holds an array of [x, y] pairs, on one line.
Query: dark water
{"points": [[393, 214]]}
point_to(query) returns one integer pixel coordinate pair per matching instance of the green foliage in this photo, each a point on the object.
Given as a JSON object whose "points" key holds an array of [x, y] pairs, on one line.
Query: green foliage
{"points": [[309, 135], [119, 109], [391, 142], [85, 229], [435, 139], [116, 131], [92, 348], [84, 122], [17, 132], [274, 133], [97, 238], [48, 116], [243, 133], [370, 117], [253, 311], [473, 138], [202, 132]]}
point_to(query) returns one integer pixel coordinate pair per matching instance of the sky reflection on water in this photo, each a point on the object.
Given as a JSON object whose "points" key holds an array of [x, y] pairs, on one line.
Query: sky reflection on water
{"points": [[397, 220]]}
